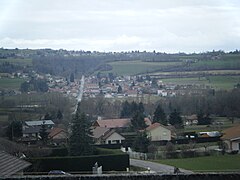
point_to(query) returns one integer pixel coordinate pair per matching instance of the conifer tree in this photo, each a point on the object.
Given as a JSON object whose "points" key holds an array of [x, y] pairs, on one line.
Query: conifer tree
{"points": [[160, 116], [126, 110], [80, 142], [175, 119], [137, 120], [141, 142], [44, 133]]}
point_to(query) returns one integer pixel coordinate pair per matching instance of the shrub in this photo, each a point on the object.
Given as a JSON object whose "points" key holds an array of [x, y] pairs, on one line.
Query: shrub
{"points": [[117, 162], [59, 152], [188, 154]]}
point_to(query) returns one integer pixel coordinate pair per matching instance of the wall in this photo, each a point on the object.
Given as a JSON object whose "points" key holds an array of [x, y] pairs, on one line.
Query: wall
{"points": [[160, 133], [235, 145], [113, 137], [210, 176]]}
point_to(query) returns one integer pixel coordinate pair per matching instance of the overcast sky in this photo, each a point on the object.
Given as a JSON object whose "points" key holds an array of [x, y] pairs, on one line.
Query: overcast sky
{"points": [[121, 25]]}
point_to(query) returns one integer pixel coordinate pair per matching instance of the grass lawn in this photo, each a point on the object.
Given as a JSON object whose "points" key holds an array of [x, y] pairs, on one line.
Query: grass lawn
{"points": [[11, 83], [196, 73], [226, 62], [224, 82], [21, 62], [207, 163], [136, 67], [225, 123], [3, 118], [217, 82]]}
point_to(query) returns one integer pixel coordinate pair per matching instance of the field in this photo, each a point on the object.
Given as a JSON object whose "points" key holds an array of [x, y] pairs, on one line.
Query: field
{"points": [[226, 62], [10, 83], [207, 163], [21, 62], [217, 82], [196, 73], [218, 124], [138, 67]]}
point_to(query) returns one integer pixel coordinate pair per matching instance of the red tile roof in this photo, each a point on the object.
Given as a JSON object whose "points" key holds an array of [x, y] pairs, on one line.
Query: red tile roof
{"points": [[155, 125], [10, 165], [231, 133], [55, 131], [147, 121], [113, 123], [99, 131]]}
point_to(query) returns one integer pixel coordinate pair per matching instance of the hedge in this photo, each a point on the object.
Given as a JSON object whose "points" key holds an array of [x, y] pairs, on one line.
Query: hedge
{"points": [[117, 162]]}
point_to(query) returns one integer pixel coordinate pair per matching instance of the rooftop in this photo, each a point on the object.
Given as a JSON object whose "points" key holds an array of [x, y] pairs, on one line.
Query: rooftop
{"points": [[231, 133], [10, 165], [99, 131], [113, 123], [39, 122]]}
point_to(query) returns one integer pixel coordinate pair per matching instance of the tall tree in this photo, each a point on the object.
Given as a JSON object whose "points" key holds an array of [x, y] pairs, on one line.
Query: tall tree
{"points": [[160, 116], [175, 119], [203, 119], [126, 110], [14, 130], [141, 142], [80, 142], [134, 107], [24, 86], [137, 120], [119, 89], [59, 115], [141, 107], [72, 77], [44, 133]]}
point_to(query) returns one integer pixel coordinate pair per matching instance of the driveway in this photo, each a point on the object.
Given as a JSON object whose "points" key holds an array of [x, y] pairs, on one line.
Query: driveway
{"points": [[156, 167]]}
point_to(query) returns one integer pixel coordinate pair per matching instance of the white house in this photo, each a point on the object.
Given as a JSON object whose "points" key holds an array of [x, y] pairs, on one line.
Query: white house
{"points": [[31, 129], [113, 138], [231, 137], [162, 93], [158, 132], [103, 135]]}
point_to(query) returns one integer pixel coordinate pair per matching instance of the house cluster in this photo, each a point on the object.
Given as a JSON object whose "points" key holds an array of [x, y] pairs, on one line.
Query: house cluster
{"points": [[32, 129], [62, 85], [137, 86], [111, 131], [107, 131]]}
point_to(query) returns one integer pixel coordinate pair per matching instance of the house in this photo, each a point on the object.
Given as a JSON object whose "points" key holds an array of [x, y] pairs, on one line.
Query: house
{"points": [[162, 93], [58, 136], [231, 137], [31, 129], [103, 135], [30, 134], [147, 121], [159, 132], [191, 120], [113, 123], [98, 132], [10, 165], [112, 137], [48, 123]]}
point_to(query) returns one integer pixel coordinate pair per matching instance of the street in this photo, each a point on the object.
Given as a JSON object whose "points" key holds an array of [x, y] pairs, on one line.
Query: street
{"points": [[156, 167]]}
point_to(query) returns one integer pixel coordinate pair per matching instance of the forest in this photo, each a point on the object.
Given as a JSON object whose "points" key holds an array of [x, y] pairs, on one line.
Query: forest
{"points": [[218, 103]]}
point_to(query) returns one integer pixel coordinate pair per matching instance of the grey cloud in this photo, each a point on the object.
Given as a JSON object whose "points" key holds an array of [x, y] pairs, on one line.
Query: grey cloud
{"points": [[171, 26]]}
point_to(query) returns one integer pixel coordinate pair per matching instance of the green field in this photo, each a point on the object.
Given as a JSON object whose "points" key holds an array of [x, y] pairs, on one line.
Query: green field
{"points": [[196, 73], [137, 67], [10, 83], [225, 62], [207, 163], [20, 62], [218, 82]]}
